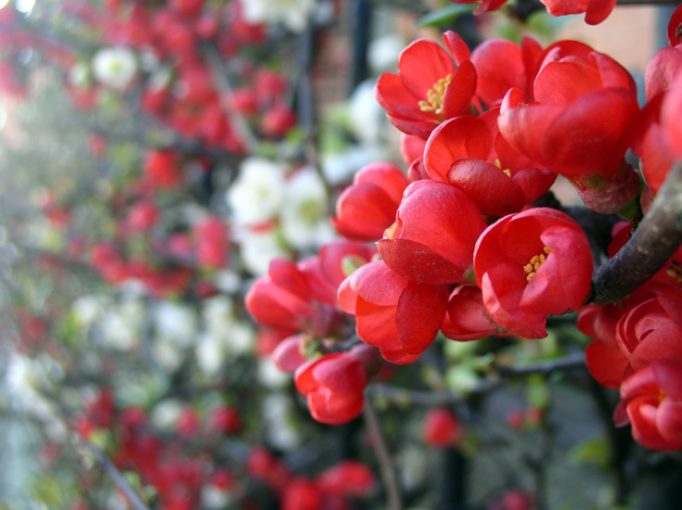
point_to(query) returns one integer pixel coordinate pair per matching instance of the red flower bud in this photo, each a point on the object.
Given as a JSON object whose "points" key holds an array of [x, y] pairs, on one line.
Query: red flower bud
{"points": [[334, 387], [366, 208], [467, 317], [442, 428], [348, 478]]}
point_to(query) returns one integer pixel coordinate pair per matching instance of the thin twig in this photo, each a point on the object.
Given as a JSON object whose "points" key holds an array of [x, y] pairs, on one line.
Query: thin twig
{"points": [[115, 474], [570, 361], [222, 83], [386, 466], [653, 243]]}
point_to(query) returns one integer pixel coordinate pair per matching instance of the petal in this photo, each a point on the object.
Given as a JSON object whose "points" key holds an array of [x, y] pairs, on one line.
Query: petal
{"points": [[419, 315], [422, 64], [461, 90]]}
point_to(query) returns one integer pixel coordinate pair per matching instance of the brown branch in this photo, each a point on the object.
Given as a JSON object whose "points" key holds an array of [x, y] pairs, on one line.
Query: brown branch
{"points": [[570, 361], [386, 466], [653, 243]]}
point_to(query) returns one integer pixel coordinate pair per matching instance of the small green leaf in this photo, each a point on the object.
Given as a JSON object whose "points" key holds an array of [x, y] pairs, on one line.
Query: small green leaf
{"points": [[594, 451], [444, 16]]}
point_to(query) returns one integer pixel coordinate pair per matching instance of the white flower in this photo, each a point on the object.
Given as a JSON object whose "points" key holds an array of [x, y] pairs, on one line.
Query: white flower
{"points": [[210, 353], [277, 414], [121, 327], [270, 376], [175, 323], [87, 309], [293, 14], [413, 467], [339, 168], [259, 248], [304, 219], [167, 354], [166, 414], [79, 75], [258, 192], [366, 115], [214, 497], [383, 53], [115, 67]]}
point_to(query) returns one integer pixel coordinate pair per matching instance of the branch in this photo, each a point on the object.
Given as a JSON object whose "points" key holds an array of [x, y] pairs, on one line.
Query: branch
{"points": [[378, 443], [568, 362], [115, 474], [222, 84], [652, 244]]}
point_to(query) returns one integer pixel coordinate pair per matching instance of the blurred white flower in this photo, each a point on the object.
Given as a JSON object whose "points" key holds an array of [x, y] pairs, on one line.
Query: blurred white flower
{"points": [[121, 327], [257, 194], [115, 67], [304, 214], [340, 168], [175, 323], [278, 418], [270, 376], [210, 354], [259, 248], [215, 498], [383, 53], [366, 115], [87, 309], [293, 14], [79, 75], [166, 413], [167, 354]]}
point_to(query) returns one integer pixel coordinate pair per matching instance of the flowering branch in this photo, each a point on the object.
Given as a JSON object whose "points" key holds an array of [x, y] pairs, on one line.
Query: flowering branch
{"points": [[384, 458], [652, 244]]}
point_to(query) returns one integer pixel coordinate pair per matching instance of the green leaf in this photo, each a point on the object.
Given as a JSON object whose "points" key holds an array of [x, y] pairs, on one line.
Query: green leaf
{"points": [[444, 16], [593, 451]]}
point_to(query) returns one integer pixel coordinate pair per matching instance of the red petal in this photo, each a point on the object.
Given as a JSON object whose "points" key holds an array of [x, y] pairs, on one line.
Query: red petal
{"points": [[598, 11], [500, 66], [675, 27], [422, 64], [461, 90], [561, 83], [419, 315]]}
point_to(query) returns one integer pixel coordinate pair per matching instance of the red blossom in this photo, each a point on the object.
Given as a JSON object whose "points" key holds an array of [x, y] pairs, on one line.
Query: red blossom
{"points": [[595, 11], [442, 428], [334, 386], [651, 401], [348, 478], [367, 207], [433, 237], [398, 316], [466, 317], [428, 89], [530, 265]]}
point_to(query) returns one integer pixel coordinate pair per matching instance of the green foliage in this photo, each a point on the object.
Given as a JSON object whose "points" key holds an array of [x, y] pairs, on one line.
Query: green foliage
{"points": [[593, 451], [445, 16]]}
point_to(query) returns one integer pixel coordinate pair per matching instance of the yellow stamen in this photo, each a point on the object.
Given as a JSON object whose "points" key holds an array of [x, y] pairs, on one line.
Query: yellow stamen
{"points": [[435, 97], [535, 262], [505, 171]]}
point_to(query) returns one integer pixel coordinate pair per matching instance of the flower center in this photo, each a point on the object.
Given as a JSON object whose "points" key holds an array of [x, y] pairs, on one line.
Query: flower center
{"points": [[435, 96], [505, 171], [535, 262]]}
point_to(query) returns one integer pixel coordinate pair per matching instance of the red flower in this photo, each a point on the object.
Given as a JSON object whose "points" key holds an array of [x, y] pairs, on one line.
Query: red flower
{"points": [[348, 478], [334, 387], [467, 317], [288, 355], [532, 264], [584, 104], [433, 238], [212, 242], [366, 208], [595, 11], [428, 88], [671, 110], [462, 152], [398, 316], [302, 494], [675, 27], [442, 428], [161, 169], [651, 401], [652, 329]]}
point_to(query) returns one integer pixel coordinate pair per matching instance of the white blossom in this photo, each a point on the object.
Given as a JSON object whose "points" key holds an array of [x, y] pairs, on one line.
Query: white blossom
{"points": [[259, 248], [121, 327], [270, 376], [257, 194], [115, 67], [175, 323], [304, 220], [294, 14]]}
